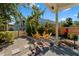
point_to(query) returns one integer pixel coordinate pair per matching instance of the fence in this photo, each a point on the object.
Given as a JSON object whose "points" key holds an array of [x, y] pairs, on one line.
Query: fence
{"points": [[18, 33], [72, 30]]}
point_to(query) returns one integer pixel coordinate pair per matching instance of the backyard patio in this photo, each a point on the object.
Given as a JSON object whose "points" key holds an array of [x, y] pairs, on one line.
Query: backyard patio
{"points": [[31, 36], [21, 48]]}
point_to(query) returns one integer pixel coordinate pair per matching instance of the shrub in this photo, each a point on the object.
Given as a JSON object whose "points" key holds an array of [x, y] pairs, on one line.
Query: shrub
{"points": [[28, 30], [9, 37], [40, 29], [74, 37], [2, 37], [51, 30], [6, 37]]}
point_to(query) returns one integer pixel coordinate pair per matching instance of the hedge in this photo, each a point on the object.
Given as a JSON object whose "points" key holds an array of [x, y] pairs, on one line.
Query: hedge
{"points": [[6, 36]]}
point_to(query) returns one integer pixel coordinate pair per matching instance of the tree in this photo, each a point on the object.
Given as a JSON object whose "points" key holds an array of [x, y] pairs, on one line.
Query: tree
{"points": [[41, 29], [7, 11], [48, 27], [68, 22], [32, 21]]}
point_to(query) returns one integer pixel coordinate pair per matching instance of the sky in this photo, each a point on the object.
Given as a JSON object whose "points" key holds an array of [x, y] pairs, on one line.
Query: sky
{"points": [[48, 14]]}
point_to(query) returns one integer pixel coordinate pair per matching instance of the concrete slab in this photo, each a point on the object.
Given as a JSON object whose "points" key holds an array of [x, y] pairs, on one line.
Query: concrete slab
{"points": [[26, 46], [16, 51], [2, 54]]}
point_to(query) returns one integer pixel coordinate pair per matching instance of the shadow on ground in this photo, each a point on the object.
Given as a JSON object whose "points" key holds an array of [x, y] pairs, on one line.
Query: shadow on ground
{"points": [[4, 46], [60, 50]]}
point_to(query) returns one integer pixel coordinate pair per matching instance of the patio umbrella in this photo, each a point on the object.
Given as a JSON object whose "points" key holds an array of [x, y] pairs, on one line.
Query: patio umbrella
{"points": [[56, 7]]}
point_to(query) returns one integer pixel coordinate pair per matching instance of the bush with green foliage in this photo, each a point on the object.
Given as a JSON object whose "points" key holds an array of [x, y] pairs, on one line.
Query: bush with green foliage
{"points": [[68, 22], [2, 27], [74, 37], [28, 30], [9, 37], [51, 30], [40, 29], [2, 36], [32, 21], [6, 37]]}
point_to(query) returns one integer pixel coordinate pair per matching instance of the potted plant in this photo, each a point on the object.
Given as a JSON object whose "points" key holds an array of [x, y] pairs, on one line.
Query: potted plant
{"points": [[75, 38]]}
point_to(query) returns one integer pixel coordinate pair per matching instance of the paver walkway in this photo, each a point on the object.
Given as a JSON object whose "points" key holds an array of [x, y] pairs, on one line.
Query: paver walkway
{"points": [[19, 45]]}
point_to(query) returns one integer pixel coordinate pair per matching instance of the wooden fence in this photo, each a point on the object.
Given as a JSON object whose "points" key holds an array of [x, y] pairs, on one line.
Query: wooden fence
{"points": [[16, 33], [72, 30]]}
